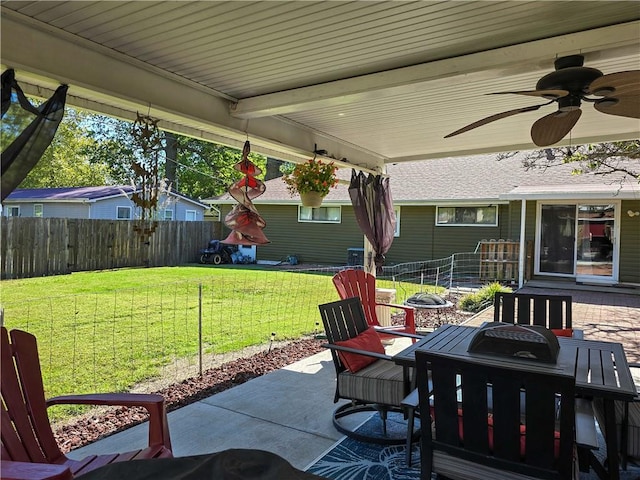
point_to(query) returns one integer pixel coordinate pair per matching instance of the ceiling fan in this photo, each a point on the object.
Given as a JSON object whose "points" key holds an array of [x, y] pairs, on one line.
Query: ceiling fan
{"points": [[569, 86]]}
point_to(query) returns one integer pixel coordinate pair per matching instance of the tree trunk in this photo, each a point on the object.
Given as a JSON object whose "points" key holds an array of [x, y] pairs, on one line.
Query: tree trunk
{"points": [[273, 169], [171, 152]]}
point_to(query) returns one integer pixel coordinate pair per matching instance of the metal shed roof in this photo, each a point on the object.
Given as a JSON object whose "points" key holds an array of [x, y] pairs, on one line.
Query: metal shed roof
{"points": [[369, 82]]}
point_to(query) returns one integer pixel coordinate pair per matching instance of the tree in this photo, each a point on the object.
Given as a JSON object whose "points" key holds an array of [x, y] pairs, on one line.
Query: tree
{"points": [[205, 169], [65, 163], [114, 147], [621, 158], [91, 150], [14, 122], [192, 167], [170, 152]]}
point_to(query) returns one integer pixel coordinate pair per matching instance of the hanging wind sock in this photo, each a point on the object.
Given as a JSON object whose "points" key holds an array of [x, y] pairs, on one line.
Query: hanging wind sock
{"points": [[245, 222]]}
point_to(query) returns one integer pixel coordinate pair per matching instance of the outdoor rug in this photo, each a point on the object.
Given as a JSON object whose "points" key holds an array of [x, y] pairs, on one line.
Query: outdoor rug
{"points": [[352, 460]]}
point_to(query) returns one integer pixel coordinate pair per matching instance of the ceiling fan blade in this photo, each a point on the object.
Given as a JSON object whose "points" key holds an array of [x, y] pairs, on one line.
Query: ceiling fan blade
{"points": [[552, 128], [495, 117], [537, 93], [623, 106], [616, 84]]}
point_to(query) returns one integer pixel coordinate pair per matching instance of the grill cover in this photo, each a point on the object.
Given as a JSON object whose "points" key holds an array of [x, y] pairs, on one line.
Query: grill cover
{"points": [[525, 341]]}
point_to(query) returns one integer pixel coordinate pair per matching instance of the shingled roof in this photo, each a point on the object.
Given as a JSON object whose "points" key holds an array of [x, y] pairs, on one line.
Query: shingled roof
{"points": [[76, 194], [479, 178]]}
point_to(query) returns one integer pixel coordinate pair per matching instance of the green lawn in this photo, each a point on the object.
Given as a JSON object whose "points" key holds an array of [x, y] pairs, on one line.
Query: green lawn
{"points": [[111, 330]]}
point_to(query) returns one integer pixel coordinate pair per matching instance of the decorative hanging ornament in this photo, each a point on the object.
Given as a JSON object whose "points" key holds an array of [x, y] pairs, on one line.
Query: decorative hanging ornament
{"points": [[245, 222], [147, 139]]}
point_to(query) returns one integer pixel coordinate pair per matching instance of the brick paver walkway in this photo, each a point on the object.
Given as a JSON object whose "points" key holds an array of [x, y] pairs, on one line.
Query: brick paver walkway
{"points": [[611, 317]]}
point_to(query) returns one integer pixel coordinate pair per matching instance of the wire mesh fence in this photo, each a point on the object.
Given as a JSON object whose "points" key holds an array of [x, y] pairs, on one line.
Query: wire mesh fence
{"points": [[143, 339], [458, 271]]}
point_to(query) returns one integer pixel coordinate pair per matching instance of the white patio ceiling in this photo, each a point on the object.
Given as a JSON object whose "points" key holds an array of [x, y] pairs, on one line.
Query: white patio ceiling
{"points": [[370, 81]]}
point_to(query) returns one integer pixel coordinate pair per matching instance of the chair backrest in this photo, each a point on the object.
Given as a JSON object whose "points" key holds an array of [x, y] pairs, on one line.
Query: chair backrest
{"points": [[342, 320], [518, 420], [358, 283], [26, 432], [551, 311]]}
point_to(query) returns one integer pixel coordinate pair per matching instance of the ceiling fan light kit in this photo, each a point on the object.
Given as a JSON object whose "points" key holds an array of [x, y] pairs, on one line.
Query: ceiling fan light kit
{"points": [[569, 85]]}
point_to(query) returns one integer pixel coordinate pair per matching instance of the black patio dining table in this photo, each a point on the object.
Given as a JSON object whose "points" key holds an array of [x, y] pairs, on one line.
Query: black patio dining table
{"points": [[600, 369]]}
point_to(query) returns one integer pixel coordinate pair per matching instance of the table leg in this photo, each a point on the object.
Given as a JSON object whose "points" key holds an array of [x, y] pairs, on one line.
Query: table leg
{"points": [[409, 380], [611, 439]]}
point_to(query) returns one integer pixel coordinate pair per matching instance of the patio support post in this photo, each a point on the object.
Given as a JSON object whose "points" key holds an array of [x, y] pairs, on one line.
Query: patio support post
{"points": [[369, 265], [521, 259]]}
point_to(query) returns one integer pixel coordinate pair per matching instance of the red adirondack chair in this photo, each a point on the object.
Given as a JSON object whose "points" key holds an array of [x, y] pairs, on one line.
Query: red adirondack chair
{"points": [[29, 449], [358, 283]]}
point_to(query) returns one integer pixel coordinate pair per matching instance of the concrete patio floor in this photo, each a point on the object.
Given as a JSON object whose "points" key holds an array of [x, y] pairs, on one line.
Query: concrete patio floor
{"points": [[288, 411]]}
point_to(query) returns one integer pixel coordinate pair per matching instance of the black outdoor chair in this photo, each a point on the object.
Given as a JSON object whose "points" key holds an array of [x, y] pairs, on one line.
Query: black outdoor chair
{"points": [[376, 383], [550, 311], [525, 431], [627, 425]]}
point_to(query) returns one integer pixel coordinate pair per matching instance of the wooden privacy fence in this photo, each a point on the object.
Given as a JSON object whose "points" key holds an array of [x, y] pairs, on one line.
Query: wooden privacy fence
{"points": [[34, 247]]}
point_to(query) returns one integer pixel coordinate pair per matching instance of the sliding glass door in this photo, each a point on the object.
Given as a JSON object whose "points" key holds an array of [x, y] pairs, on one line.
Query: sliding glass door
{"points": [[557, 239], [577, 239], [595, 240]]}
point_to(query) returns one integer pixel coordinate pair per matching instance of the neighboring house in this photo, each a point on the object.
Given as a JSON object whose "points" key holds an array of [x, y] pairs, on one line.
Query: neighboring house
{"points": [[583, 227], [106, 203]]}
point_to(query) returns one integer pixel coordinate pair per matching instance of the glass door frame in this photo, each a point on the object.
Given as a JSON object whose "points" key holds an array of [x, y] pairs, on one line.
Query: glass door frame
{"points": [[616, 240]]}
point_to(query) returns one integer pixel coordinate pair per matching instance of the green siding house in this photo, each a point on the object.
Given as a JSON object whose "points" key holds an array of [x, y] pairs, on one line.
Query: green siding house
{"points": [[579, 227]]}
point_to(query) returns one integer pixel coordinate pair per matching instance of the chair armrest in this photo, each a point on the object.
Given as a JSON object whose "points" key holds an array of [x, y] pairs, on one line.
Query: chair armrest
{"points": [[33, 471], [586, 435], [366, 353], [410, 317], [113, 399], [154, 404], [406, 308], [397, 333]]}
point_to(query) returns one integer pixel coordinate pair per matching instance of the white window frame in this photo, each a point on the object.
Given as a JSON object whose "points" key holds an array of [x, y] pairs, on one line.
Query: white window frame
{"points": [[397, 212], [123, 208], [167, 214], [190, 213], [463, 224], [38, 210], [13, 208], [312, 209]]}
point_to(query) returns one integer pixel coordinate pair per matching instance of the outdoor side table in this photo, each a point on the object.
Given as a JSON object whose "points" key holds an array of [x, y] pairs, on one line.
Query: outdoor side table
{"points": [[438, 309]]}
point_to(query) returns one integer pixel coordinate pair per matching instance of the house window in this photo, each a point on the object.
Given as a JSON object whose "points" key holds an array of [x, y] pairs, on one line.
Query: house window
{"points": [[13, 211], [167, 214], [190, 215], [467, 216], [319, 215], [37, 210], [397, 211], [123, 213]]}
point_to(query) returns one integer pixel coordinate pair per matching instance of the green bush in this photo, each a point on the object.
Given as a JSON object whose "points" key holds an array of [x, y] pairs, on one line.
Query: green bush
{"points": [[483, 298]]}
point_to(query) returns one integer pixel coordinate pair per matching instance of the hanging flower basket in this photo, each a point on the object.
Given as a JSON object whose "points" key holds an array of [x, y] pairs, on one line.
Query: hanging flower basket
{"points": [[311, 199], [312, 180]]}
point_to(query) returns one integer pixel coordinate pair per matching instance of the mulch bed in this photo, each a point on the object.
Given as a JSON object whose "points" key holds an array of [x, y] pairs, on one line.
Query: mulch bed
{"points": [[90, 428]]}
